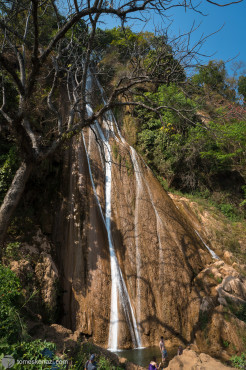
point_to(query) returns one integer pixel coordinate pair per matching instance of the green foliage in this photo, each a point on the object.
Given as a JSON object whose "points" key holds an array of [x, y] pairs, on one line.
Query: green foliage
{"points": [[11, 327], [242, 86], [128, 166], [239, 361], [14, 339], [212, 75], [226, 343], [188, 155], [161, 140], [243, 203], [105, 364], [229, 211], [12, 250], [86, 351], [239, 310], [8, 165], [31, 350], [123, 41], [203, 320]]}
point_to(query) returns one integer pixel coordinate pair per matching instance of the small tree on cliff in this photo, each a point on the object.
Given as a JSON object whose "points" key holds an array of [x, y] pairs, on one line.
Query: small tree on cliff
{"points": [[46, 50]]}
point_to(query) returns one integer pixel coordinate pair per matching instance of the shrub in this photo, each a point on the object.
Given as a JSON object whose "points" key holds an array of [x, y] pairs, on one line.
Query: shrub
{"points": [[11, 326], [239, 361]]}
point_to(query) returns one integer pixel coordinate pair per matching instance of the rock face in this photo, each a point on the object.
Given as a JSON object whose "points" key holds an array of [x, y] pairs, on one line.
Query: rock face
{"points": [[39, 275], [47, 275], [190, 360], [158, 252], [222, 291], [120, 238]]}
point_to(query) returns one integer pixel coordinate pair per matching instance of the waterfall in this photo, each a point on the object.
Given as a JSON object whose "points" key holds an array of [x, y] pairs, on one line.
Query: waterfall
{"points": [[213, 254], [92, 181], [139, 188], [118, 288], [158, 219]]}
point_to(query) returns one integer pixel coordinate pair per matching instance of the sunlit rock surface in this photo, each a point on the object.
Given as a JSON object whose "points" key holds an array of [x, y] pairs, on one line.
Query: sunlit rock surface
{"points": [[190, 360]]}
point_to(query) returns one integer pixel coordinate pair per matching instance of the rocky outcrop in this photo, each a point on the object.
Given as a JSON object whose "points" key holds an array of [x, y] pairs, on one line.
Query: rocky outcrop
{"points": [[227, 239], [47, 276], [82, 250], [190, 360], [35, 267], [159, 255], [222, 290]]}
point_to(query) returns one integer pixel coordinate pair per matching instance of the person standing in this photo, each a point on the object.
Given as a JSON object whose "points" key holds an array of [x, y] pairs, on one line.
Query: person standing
{"points": [[180, 351], [91, 364], [164, 354], [162, 344]]}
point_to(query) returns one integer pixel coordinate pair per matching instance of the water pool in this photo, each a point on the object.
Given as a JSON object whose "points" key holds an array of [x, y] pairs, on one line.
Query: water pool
{"points": [[143, 356]]}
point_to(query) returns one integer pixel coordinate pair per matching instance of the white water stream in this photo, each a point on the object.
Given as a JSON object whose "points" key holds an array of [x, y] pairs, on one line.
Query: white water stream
{"points": [[139, 189], [213, 254], [119, 293], [118, 289], [158, 218]]}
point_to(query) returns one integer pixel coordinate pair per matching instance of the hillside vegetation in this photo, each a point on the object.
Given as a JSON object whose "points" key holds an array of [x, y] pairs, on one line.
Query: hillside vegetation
{"points": [[191, 131]]}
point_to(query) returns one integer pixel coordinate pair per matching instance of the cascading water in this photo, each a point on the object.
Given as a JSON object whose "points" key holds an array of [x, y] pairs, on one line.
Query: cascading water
{"points": [[92, 181], [145, 236], [139, 188], [115, 269], [158, 219], [118, 288], [213, 254]]}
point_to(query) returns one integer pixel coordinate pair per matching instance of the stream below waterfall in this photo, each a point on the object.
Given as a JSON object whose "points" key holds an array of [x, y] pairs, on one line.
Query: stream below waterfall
{"points": [[143, 356]]}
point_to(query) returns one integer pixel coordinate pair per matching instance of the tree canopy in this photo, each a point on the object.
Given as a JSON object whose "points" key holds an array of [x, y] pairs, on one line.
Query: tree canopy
{"points": [[48, 50]]}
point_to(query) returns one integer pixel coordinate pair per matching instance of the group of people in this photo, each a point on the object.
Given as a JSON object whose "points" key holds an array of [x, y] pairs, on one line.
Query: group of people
{"points": [[153, 364], [92, 365]]}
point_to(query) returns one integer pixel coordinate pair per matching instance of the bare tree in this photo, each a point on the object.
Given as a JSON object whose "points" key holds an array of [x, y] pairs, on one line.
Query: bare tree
{"points": [[46, 52]]}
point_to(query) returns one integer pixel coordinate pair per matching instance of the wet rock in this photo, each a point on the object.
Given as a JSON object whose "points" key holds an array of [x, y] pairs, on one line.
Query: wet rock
{"points": [[147, 231]]}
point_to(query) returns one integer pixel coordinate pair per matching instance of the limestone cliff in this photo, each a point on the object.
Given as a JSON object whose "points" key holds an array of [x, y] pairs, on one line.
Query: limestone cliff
{"points": [[159, 254]]}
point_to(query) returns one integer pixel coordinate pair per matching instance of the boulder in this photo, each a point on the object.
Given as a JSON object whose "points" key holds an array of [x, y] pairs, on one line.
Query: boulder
{"points": [[190, 360]]}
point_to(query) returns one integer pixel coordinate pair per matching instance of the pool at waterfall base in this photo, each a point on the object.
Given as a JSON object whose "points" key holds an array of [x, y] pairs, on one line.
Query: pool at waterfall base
{"points": [[143, 356]]}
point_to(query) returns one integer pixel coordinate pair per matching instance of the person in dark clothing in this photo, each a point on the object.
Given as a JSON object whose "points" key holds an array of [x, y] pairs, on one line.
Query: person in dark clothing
{"points": [[180, 350], [91, 364]]}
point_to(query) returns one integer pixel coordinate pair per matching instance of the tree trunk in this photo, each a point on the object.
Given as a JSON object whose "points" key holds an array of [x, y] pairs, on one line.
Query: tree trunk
{"points": [[12, 198]]}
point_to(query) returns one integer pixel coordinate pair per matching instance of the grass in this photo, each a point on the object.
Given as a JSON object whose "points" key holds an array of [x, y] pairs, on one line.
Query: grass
{"points": [[228, 228]]}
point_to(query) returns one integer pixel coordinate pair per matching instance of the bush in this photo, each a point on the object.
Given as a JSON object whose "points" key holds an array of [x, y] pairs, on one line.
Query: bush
{"points": [[11, 326], [239, 361], [14, 340], [229, 211], [8, 165], [33, 350]]}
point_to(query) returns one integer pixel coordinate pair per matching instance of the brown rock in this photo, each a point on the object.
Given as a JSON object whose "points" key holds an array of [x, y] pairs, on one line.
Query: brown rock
{"points": [[228, 257], [190, 360], [47, 275], [158, 251]]}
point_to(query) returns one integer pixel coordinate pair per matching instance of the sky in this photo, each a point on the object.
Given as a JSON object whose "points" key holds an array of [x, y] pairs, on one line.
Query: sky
{"points": [[229, 43]]}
